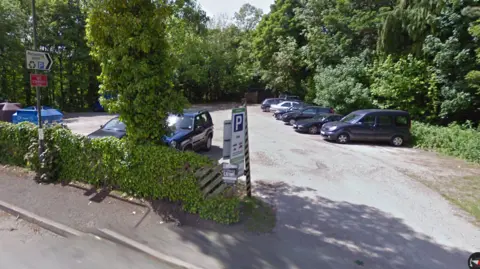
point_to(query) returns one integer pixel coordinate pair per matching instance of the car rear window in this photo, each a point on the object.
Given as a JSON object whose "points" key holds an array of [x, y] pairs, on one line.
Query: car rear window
{"points": [[401, 121], [385, 120]]}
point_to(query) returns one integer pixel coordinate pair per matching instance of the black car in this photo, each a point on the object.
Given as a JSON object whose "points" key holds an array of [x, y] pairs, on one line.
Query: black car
{"points": [[113, 127], [313, 125], [304, 113], [370, 125], [268, 102]]}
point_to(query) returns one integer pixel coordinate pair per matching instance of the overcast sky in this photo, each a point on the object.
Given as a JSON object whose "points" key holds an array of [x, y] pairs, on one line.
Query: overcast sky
{"points": [[229, 7]]}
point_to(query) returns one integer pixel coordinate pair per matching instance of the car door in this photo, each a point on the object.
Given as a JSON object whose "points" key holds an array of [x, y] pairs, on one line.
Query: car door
{"points": [[208, 125], [198, 131], [363, 130], [384, 128]]}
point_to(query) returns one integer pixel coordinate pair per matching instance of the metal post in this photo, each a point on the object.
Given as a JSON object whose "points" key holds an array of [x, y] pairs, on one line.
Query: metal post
{"points": [[39, 104], [247, 154]]}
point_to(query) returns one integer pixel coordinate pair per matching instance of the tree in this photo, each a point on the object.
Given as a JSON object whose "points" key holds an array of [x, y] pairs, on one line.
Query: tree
{"points": [[129, 39], [406, 84], [248, 17]]}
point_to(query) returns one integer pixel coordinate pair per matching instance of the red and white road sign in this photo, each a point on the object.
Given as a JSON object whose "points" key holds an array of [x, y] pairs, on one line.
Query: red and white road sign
{"points": [[38, 80]]}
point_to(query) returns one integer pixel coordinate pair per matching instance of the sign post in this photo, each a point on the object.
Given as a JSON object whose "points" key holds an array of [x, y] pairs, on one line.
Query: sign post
{"points": [[248, 182], [37, 60]]}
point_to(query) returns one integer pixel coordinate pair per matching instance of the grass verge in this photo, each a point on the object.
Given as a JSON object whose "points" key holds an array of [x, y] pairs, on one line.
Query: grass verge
{"points": [[465, 193], [462, 191]]}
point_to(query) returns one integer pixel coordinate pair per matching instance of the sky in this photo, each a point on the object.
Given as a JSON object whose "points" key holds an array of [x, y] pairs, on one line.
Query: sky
{"points": [[229, 7]]}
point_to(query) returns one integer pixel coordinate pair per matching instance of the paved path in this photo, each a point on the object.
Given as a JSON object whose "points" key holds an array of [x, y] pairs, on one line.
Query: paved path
{"points": [[27, 246]]}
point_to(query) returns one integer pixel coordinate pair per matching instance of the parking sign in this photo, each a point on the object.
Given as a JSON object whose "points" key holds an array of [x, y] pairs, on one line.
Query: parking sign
{"points": [[237, 144]]}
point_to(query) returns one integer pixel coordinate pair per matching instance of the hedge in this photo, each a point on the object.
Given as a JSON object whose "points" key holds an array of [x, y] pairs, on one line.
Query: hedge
{"points": [[453, 140], [144, 171]]}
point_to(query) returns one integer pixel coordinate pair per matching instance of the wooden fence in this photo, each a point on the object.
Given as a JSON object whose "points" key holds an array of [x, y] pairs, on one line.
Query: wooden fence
{"points": [[210, 180]]}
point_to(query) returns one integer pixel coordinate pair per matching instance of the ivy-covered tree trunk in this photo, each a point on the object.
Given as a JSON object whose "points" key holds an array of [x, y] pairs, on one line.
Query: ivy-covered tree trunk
{"points": [[129, 39]]}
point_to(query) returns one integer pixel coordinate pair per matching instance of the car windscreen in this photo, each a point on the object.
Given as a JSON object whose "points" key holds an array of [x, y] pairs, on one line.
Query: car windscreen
{"points": [[351, 118], [115, 124], [176, 122], [321, 116], [269, 101]]}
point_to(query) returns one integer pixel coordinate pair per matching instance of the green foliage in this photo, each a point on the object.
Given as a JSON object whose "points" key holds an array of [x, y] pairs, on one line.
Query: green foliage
{"points": [[132, 48], [454, 140], [14, 142], [343, 87], [405, 84], [145, 171]]}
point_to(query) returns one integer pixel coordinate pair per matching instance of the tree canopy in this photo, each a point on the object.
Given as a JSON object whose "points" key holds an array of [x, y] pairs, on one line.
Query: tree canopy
{"points": [[156, 56]]}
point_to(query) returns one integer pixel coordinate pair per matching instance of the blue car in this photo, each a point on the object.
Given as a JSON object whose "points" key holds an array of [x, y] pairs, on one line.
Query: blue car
{"points": [[193, 130]]}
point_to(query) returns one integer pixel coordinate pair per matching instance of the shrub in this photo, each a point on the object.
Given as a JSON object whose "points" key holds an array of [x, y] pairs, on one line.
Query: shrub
{"points": [[453, 140], [144, 171]]}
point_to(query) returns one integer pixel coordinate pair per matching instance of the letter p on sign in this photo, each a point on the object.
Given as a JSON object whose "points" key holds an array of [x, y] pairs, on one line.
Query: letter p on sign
{"points": [[238, 123]]}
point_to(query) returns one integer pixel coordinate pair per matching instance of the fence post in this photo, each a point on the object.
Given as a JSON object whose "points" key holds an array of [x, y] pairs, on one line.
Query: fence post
{"points": [[247, 153]]}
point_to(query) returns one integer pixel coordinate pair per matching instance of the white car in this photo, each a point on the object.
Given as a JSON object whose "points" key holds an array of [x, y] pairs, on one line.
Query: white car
{"points": [[284, 106]]}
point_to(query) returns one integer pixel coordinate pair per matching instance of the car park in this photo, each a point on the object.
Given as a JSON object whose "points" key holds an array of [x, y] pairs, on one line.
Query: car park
{"points": [[113, 127], [285, 105], [313, 125], [376, 125], [193, 130], [268, 102], [304, 113]]}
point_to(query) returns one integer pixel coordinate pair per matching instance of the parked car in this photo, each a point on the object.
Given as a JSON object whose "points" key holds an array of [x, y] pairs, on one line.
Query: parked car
{"points": [[113, 127], [313, 125], [193, 130], [268, 102], [285, 105], [304, 113], [370, 125], [279, 113]]}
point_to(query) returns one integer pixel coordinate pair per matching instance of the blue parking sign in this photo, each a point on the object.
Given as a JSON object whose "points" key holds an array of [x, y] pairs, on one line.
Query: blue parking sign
{"points": [[238, 123], [41, 65]]}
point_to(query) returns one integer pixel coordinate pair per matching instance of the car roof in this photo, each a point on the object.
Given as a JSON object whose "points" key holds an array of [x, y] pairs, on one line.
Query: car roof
{"points": [[385, 111], [193, 112]]}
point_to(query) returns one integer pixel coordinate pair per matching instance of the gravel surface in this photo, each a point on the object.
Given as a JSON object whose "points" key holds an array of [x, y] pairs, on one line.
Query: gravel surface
{"points": [[338, 205]]}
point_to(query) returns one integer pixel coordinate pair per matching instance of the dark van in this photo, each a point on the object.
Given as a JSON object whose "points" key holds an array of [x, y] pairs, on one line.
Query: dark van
{"points": [[370, 125]]}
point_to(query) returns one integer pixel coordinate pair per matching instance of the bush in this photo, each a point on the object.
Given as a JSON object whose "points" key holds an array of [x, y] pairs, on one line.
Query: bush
{"points": [[144, 171], [453, 140]]}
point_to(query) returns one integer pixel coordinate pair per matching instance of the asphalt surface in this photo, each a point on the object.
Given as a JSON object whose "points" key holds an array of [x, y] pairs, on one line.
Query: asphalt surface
{"points": [[338, 206], [26, 246]]}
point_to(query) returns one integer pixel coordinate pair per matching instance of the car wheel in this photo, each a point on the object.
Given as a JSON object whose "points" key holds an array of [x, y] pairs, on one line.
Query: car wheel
{"points": [[343, 138], [292, 122], [208, 143], [397, 141], [313, 130]]}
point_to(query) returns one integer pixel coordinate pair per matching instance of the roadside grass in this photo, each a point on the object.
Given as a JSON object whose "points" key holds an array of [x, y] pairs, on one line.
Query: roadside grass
{"points": [[465, 193], [257, 216], [462, 191]]}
